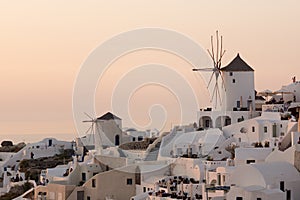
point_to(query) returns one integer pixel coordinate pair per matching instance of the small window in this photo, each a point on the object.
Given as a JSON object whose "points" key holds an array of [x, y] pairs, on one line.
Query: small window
{"points": [[258, 198], [129, 181], [253, 129], [233, 80], [88, 198], [280, 125], [239, 198], [133, 139], [93, 183], [282, 186], [265, 129], [250, 161], [238, 104], [83, 177], [230, 73], [144, 189]]}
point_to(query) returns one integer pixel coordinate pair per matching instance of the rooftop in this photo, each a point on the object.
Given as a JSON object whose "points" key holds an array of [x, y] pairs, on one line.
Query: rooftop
{"points": [[237, 64], [108, 116]]}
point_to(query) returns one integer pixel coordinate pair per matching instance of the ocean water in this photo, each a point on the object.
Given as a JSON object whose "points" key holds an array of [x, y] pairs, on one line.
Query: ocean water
{"points": [[31, 138]]}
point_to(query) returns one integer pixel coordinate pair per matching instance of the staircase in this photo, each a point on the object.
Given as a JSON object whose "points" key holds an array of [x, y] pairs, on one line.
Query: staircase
{"points": [[153, 154]]}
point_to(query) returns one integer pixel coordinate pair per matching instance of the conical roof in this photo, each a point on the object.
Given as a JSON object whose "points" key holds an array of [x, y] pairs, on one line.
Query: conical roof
{"points": [[237, 65], [108, 116]]}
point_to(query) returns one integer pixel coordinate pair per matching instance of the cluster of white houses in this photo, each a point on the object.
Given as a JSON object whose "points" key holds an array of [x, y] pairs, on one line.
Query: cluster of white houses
{"points": [[248, 149]]}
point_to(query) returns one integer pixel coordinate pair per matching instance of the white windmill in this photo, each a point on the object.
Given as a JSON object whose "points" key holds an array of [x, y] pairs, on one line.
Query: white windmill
{"points": [[216, 56], [93, 133]]}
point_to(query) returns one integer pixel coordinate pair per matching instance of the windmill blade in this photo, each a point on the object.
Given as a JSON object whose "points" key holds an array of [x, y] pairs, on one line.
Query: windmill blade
{"points": [[219, 94], [219, 61], [88, 121], [213, 93], [212, 57], [204, 69], [217, 56], [212, 48], [93, 133], [221, 75], [89, 129], [212, 75], [88, 116]]}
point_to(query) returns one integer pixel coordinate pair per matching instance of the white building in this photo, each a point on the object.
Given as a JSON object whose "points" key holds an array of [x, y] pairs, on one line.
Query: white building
{"points": [[276, 180]]}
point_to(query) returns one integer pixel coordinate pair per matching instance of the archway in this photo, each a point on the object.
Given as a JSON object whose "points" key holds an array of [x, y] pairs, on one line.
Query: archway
{"points": [[205, 122], [222, 121]]}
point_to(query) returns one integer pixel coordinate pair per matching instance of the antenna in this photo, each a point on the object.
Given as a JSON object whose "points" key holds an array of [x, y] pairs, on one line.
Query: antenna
{"points": [[216, 56]]}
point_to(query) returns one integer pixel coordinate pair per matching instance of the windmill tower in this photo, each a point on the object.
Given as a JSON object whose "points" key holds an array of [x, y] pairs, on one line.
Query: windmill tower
{"points": [[239, 82], [215, 84]]}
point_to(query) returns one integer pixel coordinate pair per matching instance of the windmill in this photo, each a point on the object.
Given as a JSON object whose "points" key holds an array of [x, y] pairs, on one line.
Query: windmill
{"points": [[216, 56], [92, 130]]}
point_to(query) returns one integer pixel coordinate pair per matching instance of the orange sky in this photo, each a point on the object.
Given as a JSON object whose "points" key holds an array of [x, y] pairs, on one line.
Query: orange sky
{"points": [[43, 44]]}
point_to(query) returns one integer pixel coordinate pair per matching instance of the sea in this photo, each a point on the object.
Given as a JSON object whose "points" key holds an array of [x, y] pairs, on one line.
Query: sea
{"points": [[32, 138]]}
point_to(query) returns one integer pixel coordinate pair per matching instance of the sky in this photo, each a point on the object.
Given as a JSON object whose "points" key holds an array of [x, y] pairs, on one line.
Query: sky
{"points": [[43, 44]]}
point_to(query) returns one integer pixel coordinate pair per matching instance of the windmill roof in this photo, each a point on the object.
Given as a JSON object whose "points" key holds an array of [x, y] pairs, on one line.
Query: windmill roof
{"points": [[237, 64], [108, 116]]}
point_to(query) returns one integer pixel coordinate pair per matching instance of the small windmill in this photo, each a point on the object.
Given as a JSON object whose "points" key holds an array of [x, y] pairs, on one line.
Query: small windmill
{"points": [[92, 129], [216, 56]]}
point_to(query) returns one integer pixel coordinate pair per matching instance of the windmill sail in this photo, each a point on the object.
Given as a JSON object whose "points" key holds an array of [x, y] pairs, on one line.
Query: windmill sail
{"points": [[216, 56]]}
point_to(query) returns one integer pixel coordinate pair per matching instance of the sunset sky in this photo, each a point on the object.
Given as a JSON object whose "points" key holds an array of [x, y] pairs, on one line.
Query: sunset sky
{"points": [[44, 43]]}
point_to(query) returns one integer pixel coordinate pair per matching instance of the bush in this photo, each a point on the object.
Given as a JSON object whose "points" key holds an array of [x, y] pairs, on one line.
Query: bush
{"points": [[6, 143]]}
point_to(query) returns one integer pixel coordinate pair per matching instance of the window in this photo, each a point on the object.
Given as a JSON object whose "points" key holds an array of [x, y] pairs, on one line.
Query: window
{"points": [[88, 198], [233, 80], [258, 198], [129, 181], [144, 189], [219, 179], [239, 198], [282, 186], [238, 104], [224, 179], [250, 161], [230, 73], [133, 139], [93, 183], [83, 177], [265, 129], [253, 129]]}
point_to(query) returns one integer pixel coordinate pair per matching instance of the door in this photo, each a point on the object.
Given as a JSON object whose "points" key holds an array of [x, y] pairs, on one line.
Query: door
{"points": [[117, 140]]}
